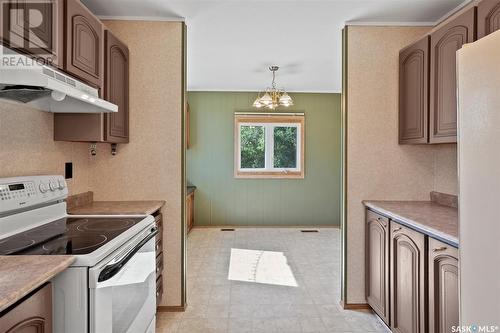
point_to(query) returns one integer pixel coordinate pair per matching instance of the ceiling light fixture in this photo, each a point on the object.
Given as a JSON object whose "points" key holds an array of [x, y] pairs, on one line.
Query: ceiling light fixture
{"points": [[273, 97]]}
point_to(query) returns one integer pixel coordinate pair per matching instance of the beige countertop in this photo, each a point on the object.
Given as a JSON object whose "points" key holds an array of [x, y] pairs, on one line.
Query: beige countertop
{"points": [[435, 220], [19, 275], [117, 208]]}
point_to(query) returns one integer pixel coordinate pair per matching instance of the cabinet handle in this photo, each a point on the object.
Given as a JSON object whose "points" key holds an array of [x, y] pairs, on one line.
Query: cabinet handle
{"points": [[381, 220], [439, 249], [396, 229]]}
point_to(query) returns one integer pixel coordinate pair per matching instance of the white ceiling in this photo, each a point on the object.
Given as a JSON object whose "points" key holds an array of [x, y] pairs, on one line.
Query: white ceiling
{"points": [[231, 43]]}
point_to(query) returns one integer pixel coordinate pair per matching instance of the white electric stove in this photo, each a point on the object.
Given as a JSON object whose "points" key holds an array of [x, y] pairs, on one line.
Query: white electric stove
{"points": [[111, 286]]}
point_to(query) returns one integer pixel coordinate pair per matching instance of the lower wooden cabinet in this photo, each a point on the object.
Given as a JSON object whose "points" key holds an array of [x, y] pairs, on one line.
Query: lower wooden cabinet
{"points": [[411, 279], [443, 287], [377, 264], [33, 315], [159, 257], [190, 211]]}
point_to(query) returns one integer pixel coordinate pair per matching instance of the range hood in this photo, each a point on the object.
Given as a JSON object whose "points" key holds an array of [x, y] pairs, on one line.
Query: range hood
{"points": [[24, 80]]}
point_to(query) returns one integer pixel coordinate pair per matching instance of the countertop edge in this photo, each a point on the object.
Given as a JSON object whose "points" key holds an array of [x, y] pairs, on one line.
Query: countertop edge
{"points": [[89, 209], [431, 232], [16, 295]]}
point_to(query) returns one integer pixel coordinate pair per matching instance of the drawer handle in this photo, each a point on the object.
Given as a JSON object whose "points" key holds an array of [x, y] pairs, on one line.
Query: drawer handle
{"points": [[381, 220], [439, 249], [397, 229], [157, 294]]}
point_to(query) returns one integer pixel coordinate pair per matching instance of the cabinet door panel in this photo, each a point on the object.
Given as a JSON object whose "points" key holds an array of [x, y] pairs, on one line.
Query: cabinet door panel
{"points": [[488, 17], [443, 287], [377, 264], [407, 280], [117, 89], [33, 315], [445, 42], [413, 92], [84, 44], [34, 28]]}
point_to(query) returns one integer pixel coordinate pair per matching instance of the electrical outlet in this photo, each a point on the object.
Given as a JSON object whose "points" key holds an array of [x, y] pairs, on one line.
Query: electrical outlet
{"points": [[68, 170]]}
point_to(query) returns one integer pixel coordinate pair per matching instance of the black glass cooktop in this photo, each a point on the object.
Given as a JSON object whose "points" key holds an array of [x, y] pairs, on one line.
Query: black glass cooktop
{"points": [[67, 236]]}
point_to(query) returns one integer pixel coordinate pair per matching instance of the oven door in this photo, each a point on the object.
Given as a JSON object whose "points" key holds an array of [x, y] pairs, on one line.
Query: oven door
{"points": [[123, 289]]}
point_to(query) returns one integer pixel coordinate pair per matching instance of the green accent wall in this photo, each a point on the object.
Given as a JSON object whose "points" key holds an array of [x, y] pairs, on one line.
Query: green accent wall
{"points": [[220, 199]]}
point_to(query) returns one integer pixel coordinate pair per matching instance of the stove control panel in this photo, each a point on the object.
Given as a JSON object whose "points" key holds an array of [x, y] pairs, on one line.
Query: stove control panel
{"points": [[23, 192]]}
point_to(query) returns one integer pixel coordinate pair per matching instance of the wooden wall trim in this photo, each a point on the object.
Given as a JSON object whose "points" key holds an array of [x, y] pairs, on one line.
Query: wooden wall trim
{"points": [[354, 306]]}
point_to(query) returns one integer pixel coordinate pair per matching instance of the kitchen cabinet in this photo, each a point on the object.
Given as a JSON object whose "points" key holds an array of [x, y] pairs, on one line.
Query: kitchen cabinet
{"points": [[488, 17], [116, 88], [377, 264], [34, 314], [443, 287], [44, 41], [445, 42], [407, 279], [84, 44], [159, 256], [105, 127], [190, 210], [414, 92]]}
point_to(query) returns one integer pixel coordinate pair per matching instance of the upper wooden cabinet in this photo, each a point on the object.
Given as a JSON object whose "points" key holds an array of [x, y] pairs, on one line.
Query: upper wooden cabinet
{"points": [[102, 127], [116, 89], [445, 42], [407, 280], [443, 287], [45, 39], [377, 264], [488, 17], [414, 92], [84, 44]]}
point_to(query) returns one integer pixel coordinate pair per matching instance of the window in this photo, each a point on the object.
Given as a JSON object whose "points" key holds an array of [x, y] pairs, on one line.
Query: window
{"points": [[269, 146]]}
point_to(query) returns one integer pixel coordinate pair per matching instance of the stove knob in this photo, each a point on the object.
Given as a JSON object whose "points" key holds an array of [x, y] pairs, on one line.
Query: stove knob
{"points": [[62, 184], [53, 186], [43, 188]]}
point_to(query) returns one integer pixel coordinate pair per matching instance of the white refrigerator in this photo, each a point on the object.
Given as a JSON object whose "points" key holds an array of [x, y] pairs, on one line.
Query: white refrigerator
{"points": [[478, 74]]}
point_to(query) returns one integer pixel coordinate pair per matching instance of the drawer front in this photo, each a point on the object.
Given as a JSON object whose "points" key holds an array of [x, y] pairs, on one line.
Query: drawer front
{"points": [[159, 237], [159, 289], [159, 265]]}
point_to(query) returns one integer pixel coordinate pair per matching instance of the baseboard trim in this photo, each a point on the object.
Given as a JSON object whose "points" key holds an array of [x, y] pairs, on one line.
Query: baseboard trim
{"points": [[267, 226], [354, 306], [163, 308]]}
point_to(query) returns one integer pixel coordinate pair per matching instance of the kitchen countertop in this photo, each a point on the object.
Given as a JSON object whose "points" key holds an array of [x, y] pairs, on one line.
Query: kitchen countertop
{"points": [[19, 275], [435, 220], [117, 208]]}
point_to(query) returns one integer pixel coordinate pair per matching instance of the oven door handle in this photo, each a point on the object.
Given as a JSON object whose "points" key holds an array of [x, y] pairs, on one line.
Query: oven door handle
{"points": [[111, 270]]}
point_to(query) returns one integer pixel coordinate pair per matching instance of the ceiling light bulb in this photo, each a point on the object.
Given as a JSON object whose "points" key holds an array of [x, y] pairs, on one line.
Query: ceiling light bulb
{"points": [[257, 103], [266, 99]]}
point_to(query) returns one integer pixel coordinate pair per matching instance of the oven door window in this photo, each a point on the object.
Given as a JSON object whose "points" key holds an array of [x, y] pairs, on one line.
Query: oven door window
{"points": [[126, 302]]}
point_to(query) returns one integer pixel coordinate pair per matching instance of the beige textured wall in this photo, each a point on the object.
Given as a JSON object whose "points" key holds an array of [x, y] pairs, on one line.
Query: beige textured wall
{"points": [[149, 167], [27, 147], [377, 167]]}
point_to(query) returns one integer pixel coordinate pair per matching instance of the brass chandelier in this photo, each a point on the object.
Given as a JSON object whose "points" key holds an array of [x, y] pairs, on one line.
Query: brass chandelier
{"points": [[273, 97]]}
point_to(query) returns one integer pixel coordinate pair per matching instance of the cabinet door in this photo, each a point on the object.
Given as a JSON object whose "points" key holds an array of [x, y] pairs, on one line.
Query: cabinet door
{"points": [[377, 264], [488, 17], [116, 89], [34, 28], [443, 287], [443, 88], [33, 315], [414, 92], [407, 280], [84, 44]]}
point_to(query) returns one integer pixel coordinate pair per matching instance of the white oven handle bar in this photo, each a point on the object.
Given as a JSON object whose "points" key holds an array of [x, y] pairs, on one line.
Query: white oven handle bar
{"points": [[112, 269]]}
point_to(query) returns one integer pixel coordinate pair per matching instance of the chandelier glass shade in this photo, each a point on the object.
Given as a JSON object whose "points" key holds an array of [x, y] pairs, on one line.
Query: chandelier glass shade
{"points": [[273, 97]]}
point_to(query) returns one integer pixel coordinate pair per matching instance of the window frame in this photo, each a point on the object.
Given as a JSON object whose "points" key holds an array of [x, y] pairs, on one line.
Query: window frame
{"points": [[270, 122]]}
